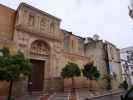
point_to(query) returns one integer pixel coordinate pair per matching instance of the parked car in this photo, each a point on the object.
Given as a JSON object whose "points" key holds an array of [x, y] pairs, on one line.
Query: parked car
{"points": [[128, 95]]}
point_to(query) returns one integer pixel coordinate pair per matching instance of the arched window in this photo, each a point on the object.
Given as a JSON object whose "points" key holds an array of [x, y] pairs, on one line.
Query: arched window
{"points": [[52, 27]]}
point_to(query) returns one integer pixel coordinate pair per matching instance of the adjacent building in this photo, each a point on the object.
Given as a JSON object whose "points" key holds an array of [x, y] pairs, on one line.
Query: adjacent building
{"points": [[38, 35], [131, 9], [106, 57], [127, 64], [126, 56]]}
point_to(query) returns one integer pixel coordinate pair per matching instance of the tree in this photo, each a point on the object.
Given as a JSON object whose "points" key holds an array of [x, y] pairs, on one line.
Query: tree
{"points": [[124, 85], [71, 70], [12, 67], [90, 72], [108, 78]]}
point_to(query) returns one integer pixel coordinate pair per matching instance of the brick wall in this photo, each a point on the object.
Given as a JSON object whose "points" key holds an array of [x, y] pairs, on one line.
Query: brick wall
{"points": [[7, 20]]}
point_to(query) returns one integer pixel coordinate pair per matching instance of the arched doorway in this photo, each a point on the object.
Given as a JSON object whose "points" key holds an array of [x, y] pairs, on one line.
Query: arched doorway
{"points": [[39, 54]]}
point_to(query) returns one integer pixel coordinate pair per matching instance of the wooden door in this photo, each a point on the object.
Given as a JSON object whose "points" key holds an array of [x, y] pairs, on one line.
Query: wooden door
{"points": [[37, 76]]}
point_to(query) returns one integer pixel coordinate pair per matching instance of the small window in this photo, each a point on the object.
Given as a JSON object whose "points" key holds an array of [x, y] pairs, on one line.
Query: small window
{"points": [[132, 73], [66, 44], [112, 53], [17, 17], [72, 44], [31, 20], [52, 27], [81, 46], [131, 67], [115, 76]]}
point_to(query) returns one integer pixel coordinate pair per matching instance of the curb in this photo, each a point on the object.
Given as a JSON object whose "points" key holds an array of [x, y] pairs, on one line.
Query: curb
{"points": [[105, 94]]}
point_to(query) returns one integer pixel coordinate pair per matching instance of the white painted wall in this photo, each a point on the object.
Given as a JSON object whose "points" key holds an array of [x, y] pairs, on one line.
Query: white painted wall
{"points": [[123, 55]]}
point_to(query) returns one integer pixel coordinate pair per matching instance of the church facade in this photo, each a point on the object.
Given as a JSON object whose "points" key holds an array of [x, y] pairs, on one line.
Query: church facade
{"points": [[37, 34]]}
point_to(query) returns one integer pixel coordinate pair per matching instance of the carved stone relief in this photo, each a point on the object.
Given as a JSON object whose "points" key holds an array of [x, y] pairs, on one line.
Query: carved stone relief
{"points": [[39, 49], [57, 47], [43, 24], [22, 40], [31, 19], [25, 16], [56, 70]]}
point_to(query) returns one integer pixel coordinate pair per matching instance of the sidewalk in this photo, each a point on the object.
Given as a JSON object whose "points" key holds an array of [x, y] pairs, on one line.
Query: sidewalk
{"points": [[87, 94], [80, 94]]}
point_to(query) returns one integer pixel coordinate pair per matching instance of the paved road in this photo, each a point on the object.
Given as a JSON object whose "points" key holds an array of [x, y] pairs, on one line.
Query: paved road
{"points": [[99, 95], [59, 96], [109, 97], [81, 95]]}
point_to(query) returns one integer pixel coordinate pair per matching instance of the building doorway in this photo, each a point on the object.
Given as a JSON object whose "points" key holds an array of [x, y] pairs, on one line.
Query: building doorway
{"points": [[36, 80]]}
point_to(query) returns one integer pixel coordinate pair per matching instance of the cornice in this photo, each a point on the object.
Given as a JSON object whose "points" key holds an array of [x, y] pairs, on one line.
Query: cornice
{"points": [[37, 33], [6, 41], [38, 10], [75, 54]]}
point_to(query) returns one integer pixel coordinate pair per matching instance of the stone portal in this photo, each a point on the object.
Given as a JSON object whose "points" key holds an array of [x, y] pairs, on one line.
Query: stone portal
{"points": [[39, 55]]}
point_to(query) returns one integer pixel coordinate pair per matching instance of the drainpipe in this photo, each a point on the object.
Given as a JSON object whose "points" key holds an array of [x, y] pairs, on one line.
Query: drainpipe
{"points": [[107, 64], [107, 59]]}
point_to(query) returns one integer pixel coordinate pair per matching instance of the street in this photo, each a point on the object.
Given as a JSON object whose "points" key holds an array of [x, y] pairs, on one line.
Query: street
{"points": [[108, 97], [82, 95]]}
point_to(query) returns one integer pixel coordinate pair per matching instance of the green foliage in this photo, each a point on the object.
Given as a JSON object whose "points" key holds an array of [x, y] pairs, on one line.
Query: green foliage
{"points": [[70, 70], [124, 85], [12, 66], [90, 71], [107, 77]]}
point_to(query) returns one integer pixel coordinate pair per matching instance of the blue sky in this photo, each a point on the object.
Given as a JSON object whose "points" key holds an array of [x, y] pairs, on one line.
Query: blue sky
{"points": [[108, 18]]}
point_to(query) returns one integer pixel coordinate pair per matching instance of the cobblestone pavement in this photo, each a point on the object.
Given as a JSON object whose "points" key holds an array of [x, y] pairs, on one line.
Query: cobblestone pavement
{"points": [[81, 95]]}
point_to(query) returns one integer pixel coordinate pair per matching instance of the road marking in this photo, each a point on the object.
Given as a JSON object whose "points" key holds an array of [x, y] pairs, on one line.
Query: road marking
{"points": [[51, 96]]}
